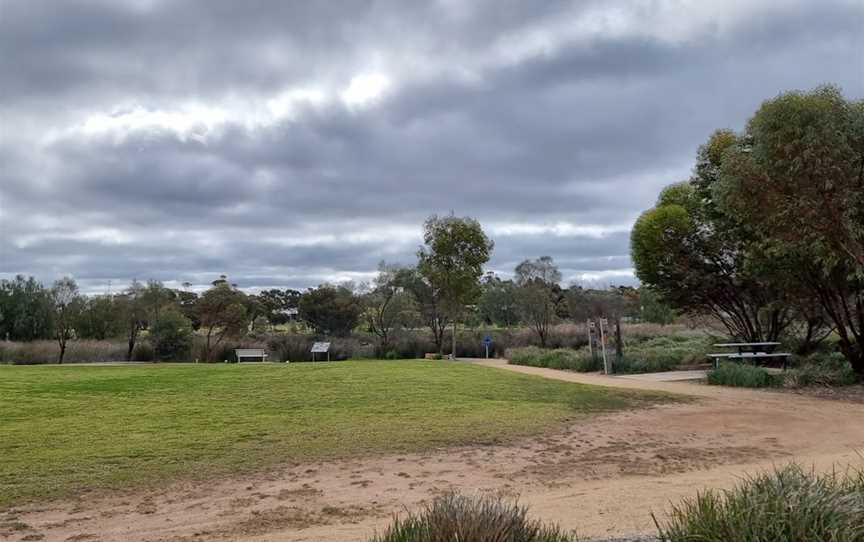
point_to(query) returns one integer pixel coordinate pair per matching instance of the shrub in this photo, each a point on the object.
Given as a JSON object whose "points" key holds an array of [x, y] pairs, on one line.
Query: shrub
{"points": [[560, 358], [171, 336], [644, 364], [143, 351], [787, 505], [822, 370], [472, 519], [740, 376]]}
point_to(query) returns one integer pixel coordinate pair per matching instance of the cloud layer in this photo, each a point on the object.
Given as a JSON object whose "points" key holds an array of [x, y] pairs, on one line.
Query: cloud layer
{"points": [[286, 144]]}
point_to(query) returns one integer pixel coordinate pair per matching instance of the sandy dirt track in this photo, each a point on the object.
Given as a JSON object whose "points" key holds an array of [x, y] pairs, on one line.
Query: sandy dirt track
{"points": [[601, 476]]}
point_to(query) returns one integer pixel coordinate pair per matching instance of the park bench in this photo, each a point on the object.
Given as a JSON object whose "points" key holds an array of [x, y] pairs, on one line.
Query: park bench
{"points": [[753, 352], [253, 353]]}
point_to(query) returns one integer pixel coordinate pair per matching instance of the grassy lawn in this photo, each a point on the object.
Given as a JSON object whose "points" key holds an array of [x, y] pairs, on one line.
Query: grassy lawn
{"points": [[65, 429]]}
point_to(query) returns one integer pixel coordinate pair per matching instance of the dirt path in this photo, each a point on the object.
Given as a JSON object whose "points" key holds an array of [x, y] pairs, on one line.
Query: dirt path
{"points": [[601, 476]]}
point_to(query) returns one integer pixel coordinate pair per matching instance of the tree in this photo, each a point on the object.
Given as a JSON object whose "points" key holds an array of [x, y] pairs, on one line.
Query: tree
{"points": [[330, 310], [387, 305], [26, 310], [796, 177], [450, 264], [155, 298], [131, 307], [187, 303], [276, 304], [497, 303], [99, 318], [222, 312], [538, 294], [68, 305], [171, 335], [653, 309], [702, 262]]}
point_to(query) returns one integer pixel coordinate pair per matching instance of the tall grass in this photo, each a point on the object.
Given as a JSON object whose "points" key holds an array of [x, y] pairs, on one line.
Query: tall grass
{"points": [[787, 505], [41, 352], [826, 370], [458, 518], [740, 375]]}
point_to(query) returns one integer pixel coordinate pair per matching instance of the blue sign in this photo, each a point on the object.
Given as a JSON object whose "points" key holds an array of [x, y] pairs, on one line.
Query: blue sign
{"points": [[487, 340]]}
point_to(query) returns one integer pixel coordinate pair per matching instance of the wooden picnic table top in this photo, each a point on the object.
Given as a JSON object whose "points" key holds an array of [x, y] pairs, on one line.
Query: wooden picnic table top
{"points": [[736, 345]]}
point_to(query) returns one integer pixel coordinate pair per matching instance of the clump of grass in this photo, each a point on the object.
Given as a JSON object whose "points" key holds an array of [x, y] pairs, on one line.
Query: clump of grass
{"points": [[560, 358], [455, 517], [787, 505], [822, 370], [740, 376]]}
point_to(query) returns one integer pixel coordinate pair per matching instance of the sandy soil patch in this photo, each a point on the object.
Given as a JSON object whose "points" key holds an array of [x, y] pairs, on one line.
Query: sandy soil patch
{"points": [[602, 475]]}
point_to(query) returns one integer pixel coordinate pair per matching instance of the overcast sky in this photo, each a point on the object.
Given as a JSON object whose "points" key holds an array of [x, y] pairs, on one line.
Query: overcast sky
{"points": [[292, 143]]}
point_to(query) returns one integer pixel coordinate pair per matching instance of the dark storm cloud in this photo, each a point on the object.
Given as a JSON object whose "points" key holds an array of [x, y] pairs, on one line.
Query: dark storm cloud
{"points": [[178, 141]]}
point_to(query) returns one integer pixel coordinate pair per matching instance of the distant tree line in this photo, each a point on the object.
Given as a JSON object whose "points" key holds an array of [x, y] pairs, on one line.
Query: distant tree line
{"points": [[767, 236], [446, 287]]}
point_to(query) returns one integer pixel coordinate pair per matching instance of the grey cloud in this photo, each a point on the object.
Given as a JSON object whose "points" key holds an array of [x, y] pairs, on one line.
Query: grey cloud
{"points": [[584, 133]]}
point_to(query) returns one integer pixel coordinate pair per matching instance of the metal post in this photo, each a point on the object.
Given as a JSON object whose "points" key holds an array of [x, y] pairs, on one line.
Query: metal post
{"points": [[487, 350]]}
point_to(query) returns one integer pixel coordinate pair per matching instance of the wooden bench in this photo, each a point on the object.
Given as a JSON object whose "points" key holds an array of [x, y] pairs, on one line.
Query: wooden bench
{"points": [[254, 353]]}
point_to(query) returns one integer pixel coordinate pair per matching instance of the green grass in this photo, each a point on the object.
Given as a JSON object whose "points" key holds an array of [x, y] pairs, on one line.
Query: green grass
{"points": [[71, 428]]}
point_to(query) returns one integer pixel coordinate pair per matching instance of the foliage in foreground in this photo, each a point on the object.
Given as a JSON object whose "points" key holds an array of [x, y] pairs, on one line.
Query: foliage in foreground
{"points": [[787, 505], [740, 375], [462, 518]]}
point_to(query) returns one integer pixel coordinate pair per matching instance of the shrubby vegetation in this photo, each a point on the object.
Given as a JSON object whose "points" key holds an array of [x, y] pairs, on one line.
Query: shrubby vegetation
{"points": [[741, 375], [821, 370], [789, 505], [561, 358], [454, 517], [645, 353]]}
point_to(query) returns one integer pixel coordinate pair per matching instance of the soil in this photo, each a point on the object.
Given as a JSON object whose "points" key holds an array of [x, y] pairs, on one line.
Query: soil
{"points": [[602, 476]]}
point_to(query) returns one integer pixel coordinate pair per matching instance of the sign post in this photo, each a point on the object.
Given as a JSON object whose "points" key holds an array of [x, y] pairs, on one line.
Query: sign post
{"points": [[320, 348], [487, 340]]}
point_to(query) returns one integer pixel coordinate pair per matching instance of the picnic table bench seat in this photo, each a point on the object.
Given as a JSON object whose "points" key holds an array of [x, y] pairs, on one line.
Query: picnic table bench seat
{"points": [[750, 351]]}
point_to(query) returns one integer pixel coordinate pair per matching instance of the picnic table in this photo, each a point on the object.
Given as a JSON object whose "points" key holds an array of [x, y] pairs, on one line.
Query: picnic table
{"points": [[754, 352]]}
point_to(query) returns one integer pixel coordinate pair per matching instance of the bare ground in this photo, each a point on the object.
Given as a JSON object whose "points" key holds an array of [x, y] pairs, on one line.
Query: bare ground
{"points": [[602, 475]]}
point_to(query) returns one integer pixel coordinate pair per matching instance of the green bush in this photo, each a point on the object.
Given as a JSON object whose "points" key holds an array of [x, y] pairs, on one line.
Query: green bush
{"points": [[171, 336], [459, 518], [740, 376], [143, 351], [644, 364], [560, 358], [787, 505], [822, 370]]}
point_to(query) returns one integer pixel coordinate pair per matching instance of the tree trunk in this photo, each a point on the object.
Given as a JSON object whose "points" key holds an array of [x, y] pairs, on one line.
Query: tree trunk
{"points": [[619, 341], [62, 352], [453, 353]]}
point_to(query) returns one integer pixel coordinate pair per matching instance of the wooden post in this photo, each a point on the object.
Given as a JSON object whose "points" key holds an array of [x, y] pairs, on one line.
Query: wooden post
{"points": [[619, 341], [603, 324]]}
